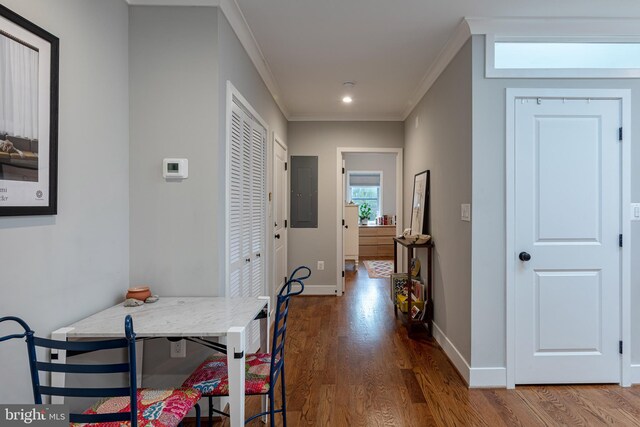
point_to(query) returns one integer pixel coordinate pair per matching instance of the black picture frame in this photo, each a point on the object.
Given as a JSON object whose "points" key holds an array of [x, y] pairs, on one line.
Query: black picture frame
{"points": [[420, 203], [36, 192]]}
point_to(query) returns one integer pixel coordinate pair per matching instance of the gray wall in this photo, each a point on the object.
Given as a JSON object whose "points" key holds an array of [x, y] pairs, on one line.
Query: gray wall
{"points": [[59, 269], [441, 142], [386, 163], [488, 335], [181, 58], [236, 67], [176, 230], [307, 246]]}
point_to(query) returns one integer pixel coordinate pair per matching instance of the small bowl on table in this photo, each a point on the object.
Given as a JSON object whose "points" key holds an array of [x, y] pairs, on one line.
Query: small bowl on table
{"points": [[140, 293]]}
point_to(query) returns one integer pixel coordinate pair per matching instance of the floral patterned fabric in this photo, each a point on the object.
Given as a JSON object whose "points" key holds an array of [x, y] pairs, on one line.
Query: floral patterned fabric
{"points": [[212, 376], [156, 408]]}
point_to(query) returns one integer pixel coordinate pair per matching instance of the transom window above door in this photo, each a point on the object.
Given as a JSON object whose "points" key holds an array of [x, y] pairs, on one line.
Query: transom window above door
{"points": [[366, 187]]}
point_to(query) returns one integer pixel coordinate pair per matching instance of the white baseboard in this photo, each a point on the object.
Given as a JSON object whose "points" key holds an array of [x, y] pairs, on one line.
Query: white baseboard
{"points": [[452, 352], [319, 290], [488, 377], [474, 377], [635, 374]]}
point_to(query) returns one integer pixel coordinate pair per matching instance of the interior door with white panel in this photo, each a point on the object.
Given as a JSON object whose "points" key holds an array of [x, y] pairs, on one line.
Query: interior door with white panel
{"points": [[567, 224], [280, 193], [246, 210]]}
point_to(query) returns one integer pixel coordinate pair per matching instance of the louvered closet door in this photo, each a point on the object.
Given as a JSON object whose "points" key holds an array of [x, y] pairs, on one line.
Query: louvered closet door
{"points": [[235, 203], [247, 210], [258, 211]]}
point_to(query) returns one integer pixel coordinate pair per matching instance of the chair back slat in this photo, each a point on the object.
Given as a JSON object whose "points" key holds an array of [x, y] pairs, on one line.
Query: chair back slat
{"points": [[83, 346], [84, 392], [282, 313], [82, 369], [12, 336]]}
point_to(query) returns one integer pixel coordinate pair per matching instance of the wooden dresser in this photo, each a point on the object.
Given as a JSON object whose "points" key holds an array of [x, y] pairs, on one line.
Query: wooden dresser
{"points": [[376, 241]]}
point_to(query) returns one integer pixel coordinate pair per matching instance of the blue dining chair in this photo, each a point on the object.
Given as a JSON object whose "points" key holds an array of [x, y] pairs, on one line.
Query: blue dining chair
{"points": [[211, 378], [157, 408]]}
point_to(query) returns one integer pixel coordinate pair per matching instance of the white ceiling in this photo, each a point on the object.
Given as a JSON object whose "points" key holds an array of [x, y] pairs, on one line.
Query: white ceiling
{"points": [[393, 49], [387, 47]]}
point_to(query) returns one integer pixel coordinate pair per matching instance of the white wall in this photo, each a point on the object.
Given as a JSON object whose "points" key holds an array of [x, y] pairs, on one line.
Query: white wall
{"points": [[438, 138], [58, 269], [385, 163], [489, 328], [309, 245]]}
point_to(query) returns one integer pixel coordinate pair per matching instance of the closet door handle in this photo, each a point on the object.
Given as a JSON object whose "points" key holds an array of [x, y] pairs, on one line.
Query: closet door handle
{"points": [[247, 260], [277, 236]]}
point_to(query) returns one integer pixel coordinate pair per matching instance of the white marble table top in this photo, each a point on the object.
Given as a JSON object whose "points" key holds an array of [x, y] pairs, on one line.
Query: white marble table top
{"points": [[172, 317]]}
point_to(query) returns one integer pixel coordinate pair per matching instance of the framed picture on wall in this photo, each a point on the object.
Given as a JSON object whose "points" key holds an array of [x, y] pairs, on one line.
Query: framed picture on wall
{"points": [[420, 203], [28, 117]]}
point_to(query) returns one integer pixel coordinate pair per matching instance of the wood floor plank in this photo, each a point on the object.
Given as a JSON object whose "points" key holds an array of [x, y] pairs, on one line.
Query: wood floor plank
{"points": [[349, 362]]}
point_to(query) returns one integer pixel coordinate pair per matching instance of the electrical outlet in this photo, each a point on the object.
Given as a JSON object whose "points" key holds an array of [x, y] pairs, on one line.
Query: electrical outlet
{"points": [[179, 349], [320, 265]]}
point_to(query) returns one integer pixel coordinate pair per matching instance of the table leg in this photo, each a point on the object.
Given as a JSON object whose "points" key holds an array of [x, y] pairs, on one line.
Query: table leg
{"points": [[58, 356], [265, 324], [236, 363], [139, 359]]}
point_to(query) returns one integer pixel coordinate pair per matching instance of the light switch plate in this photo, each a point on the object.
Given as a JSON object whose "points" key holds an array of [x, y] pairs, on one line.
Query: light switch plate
{"points": [[465, 212], [635, 211]]}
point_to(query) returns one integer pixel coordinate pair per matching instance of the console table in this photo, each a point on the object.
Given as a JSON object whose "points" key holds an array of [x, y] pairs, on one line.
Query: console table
{"points": [[428, 303]]}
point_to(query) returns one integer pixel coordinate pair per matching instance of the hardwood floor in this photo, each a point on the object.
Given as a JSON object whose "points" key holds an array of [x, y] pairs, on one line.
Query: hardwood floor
{"points": [[350, 363]]}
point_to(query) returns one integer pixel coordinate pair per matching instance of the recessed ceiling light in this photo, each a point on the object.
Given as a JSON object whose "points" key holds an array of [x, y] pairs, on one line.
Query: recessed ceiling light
{"points": [[347, 100]]}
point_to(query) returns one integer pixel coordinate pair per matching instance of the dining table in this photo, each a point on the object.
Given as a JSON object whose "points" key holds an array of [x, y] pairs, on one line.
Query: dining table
{"points": [[216, 322]]}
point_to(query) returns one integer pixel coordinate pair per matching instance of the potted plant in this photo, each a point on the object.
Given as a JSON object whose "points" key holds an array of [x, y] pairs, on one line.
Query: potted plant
{"points": [[364, 212]]}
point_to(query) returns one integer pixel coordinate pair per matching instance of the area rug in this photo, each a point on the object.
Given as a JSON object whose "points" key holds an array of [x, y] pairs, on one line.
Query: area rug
{"points": [[379, 269]]}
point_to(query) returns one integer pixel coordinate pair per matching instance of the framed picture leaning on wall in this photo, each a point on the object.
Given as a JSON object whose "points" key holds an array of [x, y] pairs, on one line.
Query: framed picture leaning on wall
{"points": [[28, 117], [420, 203]]}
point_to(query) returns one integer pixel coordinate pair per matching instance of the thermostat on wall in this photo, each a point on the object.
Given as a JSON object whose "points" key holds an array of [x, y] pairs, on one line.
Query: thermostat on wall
{"points": [[175, 168]]}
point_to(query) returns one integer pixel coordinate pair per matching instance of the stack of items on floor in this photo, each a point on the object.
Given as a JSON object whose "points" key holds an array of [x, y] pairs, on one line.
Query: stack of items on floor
{"points": [[400, 291]]}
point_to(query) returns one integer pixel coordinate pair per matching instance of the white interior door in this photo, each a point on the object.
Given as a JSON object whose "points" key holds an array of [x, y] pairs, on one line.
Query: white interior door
{"points": [[246, 187], [567, 223], [344, 202], [280, 193]]}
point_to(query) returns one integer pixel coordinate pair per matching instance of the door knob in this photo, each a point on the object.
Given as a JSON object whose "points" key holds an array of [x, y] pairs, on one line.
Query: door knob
{"points": [[346, 226], [277, 236], [524, 256]]}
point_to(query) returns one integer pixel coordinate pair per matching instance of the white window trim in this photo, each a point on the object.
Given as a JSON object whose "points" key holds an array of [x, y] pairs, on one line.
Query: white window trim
{"points": [[562, 73], [355, 172]]}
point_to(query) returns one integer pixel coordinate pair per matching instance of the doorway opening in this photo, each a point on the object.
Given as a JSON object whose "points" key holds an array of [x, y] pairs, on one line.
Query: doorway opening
{"points": [[369, 205]]}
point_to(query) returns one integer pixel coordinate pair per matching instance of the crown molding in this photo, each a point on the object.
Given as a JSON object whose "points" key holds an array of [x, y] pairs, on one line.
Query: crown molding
{"points": [[555, 27], [239, 24], [346, 118], [446, 55], [234, 15], [173, 2]]}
